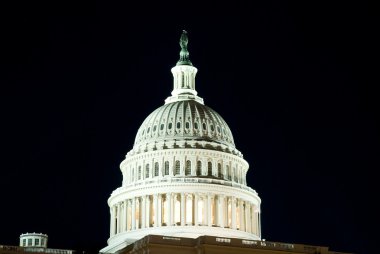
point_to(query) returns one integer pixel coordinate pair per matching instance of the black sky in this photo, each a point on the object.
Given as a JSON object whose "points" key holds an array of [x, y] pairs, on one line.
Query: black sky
{"points": [[295, 81]]}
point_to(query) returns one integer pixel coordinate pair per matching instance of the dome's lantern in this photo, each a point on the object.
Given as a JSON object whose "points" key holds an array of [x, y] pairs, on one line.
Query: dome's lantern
{"points": [[184, 76], [184, 177]]}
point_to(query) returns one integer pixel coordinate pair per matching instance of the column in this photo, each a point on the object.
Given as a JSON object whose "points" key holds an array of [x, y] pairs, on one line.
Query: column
{"points": [[125, 216], [133, 213], [233, 212], [183, 206], [222, 211], [195, 209], [138, 213], [147, 211], [129, 215], [112, 225], [169, 209], [159, 210], [118, 218], [259, 223], [216, 209], [248, 208], [253, 225], [155, 213], [241, 213], [209, 210], [143, 211]]}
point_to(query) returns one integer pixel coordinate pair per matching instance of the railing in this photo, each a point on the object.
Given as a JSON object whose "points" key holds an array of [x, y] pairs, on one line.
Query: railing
{"points": [[184, 180]]}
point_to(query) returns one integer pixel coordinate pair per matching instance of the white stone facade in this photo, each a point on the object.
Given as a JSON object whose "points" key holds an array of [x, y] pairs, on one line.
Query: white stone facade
{"points": [[184, 176]]}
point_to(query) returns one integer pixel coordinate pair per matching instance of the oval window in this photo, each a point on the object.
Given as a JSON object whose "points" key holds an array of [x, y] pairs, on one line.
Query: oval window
{"points": [[196, 126], [170, 126], [178, 125], [162, 126], [204, 126], [187, 125]]}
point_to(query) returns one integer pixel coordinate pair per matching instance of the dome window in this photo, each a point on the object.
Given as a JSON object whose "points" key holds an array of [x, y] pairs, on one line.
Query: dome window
{"points": [[187, 125], [143, 132], [218, 129], [199, 168], [220, 170], [147, 171], [148, 130], [156, 169], [204, 126], [177, 168], [188, 168], [228, 172], [178, 125], [196, 125], [212, 127], [170, 126], [155, 128], [209, 169], [139, 174], [166, 168], [162, 126]]}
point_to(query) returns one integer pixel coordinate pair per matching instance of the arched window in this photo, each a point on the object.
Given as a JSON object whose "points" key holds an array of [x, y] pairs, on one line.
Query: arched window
{"points": [[235, 175], [199, 168], [220, 170], [209, 168], [177, 168], [133, 174], [188, 168], [147, 171], [166, 168], [156, 169], [228, 172]]}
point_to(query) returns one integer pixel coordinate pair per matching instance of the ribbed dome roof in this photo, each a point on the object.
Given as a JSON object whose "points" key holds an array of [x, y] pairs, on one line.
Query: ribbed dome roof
{"points": [[184, 120]]}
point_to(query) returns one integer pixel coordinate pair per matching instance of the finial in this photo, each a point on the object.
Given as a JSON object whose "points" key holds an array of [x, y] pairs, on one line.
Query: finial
{"points": [[184, 54]]}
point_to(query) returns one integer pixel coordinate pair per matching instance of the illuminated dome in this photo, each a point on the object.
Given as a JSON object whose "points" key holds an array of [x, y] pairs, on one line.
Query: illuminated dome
{"points": [[188, 123], [184, 176]]}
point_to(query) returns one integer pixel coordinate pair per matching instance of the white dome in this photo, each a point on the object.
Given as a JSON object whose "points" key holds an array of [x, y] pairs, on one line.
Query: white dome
{"points": [[186, 120]]}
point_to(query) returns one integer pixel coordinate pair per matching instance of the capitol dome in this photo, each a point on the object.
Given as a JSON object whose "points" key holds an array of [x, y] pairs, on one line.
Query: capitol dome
{"points": [[183, 177], [189, 121]]}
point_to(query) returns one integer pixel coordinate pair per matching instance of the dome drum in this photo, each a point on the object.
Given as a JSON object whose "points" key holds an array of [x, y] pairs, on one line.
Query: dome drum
{"points": [[188, 163], [185, 208]]}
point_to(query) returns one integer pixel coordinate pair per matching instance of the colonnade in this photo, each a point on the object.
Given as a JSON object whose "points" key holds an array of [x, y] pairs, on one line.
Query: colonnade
{"points": [[184, 209]]}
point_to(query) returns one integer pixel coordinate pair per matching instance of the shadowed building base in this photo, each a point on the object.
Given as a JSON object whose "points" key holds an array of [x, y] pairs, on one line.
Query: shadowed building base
{"points": [[218, 245]]}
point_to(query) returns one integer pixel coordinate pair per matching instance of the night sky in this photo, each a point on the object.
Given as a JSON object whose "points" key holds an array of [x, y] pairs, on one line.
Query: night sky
{"points": [[294, 80]]}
